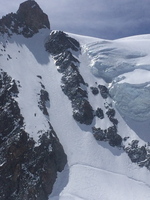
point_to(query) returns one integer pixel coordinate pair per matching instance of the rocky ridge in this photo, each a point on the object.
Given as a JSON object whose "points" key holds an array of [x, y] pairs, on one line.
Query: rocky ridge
{"points": [[28, 169], [64, 50], [60, 46]]}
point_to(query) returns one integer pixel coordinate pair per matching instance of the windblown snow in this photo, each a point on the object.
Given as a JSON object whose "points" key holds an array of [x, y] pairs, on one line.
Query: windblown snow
{"points": [[95, 170]]}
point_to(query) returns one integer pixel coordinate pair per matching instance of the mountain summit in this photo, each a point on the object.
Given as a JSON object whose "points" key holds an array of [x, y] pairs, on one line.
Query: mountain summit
{"points": [[32, 15], [28, 20]]}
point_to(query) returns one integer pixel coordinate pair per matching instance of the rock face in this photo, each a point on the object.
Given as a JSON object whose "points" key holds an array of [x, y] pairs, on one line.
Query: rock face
{"points": [[60, 46], [94, 90], [59, 42], [99, 113], [104, 91], [138, 154], [27, 21], [109, 135], [27, 171]]}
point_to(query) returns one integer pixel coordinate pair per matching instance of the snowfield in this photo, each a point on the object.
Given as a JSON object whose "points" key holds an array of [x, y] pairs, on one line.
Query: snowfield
{"points": [[95, 170]]}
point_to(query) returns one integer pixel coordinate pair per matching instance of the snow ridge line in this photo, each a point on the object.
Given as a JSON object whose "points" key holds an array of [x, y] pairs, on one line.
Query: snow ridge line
{"points": [[108, 171]]}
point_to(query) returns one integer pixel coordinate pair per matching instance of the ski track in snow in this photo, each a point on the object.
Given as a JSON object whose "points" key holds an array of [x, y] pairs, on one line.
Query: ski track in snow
{"points": [[69, 196], [108, 171]]}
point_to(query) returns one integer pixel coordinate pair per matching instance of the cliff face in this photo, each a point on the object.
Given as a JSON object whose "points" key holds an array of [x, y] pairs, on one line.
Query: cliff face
{"points": [[32, 15], [26, 21], [28, 169]]}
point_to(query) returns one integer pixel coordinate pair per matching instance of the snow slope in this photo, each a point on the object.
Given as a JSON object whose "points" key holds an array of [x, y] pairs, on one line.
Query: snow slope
{"points": [[95, 170]]}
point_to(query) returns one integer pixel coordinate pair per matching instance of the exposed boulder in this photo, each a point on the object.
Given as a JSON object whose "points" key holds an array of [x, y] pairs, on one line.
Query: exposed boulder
{"points": [[44, 101], [136, 153], [103, 91], [99, 113], [114, 120], [94, 90], [99, 134], [111, 114], [113, 138], [82, 111], [109, 135]]}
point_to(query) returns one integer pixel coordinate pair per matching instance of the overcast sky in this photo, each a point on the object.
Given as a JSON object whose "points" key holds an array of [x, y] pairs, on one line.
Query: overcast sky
{"points": [[109, 19]]}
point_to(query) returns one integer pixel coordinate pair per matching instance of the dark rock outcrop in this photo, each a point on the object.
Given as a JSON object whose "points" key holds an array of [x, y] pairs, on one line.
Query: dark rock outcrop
{"points": [[44, 101], [111, 114], [137, 154], [103, 91], [109, 135], [59, 43], [61, 46], [94, 90], [82, 111], [27, 170], [64, 61], [71, 80], [99, 113], [28, 20], [10, 118]]}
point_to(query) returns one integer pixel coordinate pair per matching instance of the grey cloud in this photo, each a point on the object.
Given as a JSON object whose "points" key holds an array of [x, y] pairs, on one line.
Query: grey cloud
{"points": [[108, 19]]}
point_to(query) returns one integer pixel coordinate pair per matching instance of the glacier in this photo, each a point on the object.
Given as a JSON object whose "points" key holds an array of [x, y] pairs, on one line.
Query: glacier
{"points": [[124, 65]]}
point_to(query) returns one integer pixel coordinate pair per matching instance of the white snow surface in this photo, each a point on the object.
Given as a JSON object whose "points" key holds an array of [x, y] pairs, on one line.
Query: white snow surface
{"points": [[95, 171]]}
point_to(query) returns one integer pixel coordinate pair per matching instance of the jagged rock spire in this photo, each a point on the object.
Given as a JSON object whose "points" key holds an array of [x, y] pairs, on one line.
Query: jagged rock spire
{"points": [[26, 21], [32, 15]]}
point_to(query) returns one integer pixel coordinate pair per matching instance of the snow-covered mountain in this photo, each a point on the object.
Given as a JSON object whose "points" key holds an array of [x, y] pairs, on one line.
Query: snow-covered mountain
{"points": [[74, 113]]}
